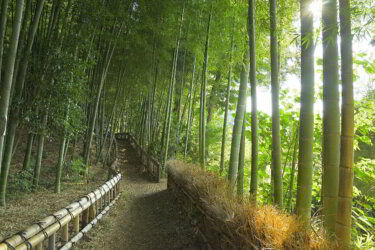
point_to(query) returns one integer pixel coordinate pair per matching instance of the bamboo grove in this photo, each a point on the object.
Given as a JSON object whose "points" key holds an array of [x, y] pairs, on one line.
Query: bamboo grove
{"points": [[177, 75]]}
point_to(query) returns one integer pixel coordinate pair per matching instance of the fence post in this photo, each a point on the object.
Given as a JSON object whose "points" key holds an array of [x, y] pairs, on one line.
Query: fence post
{"points": [[65, 233], [85, 217], [39, 246], [92, 212], [52, 242], [76, 224]]}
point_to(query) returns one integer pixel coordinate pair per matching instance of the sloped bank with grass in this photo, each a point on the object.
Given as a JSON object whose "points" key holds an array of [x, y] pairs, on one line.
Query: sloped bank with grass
{"points": [[225, 223]]}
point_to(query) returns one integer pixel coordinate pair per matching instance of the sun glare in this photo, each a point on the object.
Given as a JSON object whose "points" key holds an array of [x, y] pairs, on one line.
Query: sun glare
{"points": [[316, 7]]}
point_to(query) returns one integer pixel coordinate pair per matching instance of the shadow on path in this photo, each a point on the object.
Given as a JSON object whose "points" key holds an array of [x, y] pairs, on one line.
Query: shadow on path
{"points": [[146, 216]]}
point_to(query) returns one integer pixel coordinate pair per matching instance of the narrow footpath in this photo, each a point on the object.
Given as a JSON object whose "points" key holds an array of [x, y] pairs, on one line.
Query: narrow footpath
{"points": [[145, 217]]}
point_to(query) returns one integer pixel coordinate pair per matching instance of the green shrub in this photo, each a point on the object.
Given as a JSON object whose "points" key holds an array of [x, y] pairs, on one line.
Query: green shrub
{"points": [[75, 169], [24, 180]]}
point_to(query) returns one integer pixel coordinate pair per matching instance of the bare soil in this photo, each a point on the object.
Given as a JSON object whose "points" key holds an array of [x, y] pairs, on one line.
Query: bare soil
{"points": [[145, 217]]}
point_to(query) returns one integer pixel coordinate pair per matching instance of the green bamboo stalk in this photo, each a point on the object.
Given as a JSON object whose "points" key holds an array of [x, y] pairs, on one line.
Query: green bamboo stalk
{"points": [[305, 160], [344, 209], [275, 89], [331, 116], [238, 122], [254, 122]]}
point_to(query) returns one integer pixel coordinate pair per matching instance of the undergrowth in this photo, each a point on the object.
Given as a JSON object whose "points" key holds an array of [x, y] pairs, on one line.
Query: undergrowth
{"points": [[263, 226]]}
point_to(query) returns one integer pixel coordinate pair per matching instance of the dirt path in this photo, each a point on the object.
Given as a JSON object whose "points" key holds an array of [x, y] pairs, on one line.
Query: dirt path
{"points": [[145, 217]]}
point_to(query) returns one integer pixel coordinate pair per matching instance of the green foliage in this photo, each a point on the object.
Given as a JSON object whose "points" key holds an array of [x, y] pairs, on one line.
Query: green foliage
{"points": [[363, 215], [24, 179], [365, 241], [75, 169]]}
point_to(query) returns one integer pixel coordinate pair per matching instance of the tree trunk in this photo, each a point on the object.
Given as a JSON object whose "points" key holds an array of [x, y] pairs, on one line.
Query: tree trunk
{"points": [[241, 163], [106, 63], [254, 122], [294, 158], [6, 85], [19, 85], [153, 117], [202, 125], [66, 149], [170, 94], [60, 165], [331, 116], [29, 147], [344, 212], [191, 93], [39, 156], [3, 26], [181, 94], [275, 88], [21, 45], [305, 159], [224, 136], [238, 122], [107, 130], [60, 161], [5, 93], [212, 98], [167, 123]]}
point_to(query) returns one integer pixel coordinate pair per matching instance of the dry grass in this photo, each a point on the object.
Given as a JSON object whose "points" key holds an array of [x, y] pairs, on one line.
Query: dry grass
{"points": [[242, 223]]}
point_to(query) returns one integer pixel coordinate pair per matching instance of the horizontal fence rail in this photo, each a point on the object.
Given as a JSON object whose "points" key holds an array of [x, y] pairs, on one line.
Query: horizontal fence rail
{"points": [[152, 165], [82, 214]]}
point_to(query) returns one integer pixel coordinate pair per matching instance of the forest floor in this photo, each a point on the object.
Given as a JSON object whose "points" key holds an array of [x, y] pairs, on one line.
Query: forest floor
{"points": [[145, 217], [24, 206]]}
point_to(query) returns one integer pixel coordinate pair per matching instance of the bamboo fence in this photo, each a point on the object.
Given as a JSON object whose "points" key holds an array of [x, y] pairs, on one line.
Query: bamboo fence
{"points": [[152, 165], [75, 219]]}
